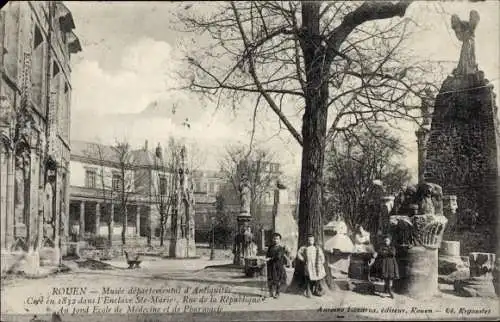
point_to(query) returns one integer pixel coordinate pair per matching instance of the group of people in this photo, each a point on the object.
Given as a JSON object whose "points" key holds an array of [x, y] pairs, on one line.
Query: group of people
{"points": [[311, 257], [312, 260]]}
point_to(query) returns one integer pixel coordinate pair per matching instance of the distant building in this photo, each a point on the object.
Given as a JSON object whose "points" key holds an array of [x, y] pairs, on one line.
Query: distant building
{"points": [[36, 41], [95, 188]]}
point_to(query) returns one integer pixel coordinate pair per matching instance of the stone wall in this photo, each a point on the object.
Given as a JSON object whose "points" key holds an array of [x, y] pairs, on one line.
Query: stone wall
{"points": [[462, 149]]}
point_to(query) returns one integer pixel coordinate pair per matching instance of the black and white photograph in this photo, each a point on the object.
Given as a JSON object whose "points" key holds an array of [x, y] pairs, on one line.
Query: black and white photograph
{"points": [[249, 160]]}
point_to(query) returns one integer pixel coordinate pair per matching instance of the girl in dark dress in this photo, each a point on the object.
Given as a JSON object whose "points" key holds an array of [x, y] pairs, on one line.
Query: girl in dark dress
{"points": [[387, 265], [277, 258]]}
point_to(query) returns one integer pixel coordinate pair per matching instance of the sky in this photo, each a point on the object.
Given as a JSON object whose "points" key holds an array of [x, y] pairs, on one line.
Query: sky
{"points": [[131, 51]]}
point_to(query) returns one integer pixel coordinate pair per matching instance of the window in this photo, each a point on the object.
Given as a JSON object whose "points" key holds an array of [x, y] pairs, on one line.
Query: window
{"points": [[90, 178], [163, 185], [55, 69], [37, 69], [212, 187], [38, 39], [116, 182]]}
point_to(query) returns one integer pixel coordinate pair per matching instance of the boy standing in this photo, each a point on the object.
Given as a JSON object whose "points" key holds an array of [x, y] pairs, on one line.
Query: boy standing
{"points": [[277, 258]]}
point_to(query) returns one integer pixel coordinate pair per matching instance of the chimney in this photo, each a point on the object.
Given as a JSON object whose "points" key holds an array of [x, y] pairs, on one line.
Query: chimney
{"points": [[146, 145]]}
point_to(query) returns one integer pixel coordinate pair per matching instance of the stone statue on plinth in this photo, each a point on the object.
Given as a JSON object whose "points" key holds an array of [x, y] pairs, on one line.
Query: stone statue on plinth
{"points": [[245, 195], [464, 30], [244, 246]]}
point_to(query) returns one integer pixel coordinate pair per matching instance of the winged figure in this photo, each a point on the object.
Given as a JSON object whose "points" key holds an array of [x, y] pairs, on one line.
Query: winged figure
{"points": [[464, 30]]}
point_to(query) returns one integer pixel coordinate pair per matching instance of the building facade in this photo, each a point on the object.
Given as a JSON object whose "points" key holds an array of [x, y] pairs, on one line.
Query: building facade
{"points": [[156, 192], [36, 42]]}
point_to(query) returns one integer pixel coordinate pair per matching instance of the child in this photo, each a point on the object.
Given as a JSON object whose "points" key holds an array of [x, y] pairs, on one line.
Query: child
{"points": [[386, 258], [314, 260], [277, 258]]}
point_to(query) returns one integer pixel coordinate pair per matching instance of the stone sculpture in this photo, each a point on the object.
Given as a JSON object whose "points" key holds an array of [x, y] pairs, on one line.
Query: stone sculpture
{"points": [[464, 30], [245, 195], [418, 237]]}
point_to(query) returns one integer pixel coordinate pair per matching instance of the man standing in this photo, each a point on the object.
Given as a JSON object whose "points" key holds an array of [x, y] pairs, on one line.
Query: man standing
{"points": [[314, 259], [277, 258]]}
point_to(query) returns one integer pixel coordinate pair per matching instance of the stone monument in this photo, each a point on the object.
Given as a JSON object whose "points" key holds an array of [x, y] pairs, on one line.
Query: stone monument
{"points": [[182, 244], [283, 221], [242, 220], [417, 234], [338, 250], [462, 147]]}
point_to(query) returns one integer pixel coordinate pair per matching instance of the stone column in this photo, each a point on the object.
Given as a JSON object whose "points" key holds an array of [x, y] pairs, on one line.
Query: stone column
{"points": [[56, 209], [172, 235], [9, 223], [422, 138], [3, 196], [66, 184], [111, 220], [138, 221], [242, 222], [262, 239], [419, 264], [97, 218], [82, 219], [57, 225], [35, 231]]}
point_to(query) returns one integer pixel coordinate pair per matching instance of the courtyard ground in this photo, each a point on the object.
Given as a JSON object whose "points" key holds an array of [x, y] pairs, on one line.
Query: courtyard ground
{"points": [[208, 290]]}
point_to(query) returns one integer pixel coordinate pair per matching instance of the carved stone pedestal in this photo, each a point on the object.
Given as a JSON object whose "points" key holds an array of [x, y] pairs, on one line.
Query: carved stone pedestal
{"points": [[417, 253], [480, 283], [419, 272], [452, 266], [239, 246]]}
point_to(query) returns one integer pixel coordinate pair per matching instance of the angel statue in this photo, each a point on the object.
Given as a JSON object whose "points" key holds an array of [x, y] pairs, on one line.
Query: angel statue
{"points": [[465, 33]]}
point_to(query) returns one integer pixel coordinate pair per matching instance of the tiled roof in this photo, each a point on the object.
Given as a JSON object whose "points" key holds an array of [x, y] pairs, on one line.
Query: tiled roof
{"points": [[97, 151], [92, 150]]}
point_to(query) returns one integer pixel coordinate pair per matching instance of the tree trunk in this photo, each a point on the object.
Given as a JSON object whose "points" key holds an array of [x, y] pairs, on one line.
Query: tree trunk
{"points": [[314, 124], [125, 223], [110, 233], [162, 227]]}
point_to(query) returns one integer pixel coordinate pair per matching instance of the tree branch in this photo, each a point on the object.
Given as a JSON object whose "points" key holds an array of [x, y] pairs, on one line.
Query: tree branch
{"points": [[369, 10], [270, 101]]}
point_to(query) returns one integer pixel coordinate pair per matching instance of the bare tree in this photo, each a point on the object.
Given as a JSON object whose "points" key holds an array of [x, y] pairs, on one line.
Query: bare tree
{"points": [[123, 181], [351, 169], [97, 153], [256, 165], [344, 58], [164, 185]]}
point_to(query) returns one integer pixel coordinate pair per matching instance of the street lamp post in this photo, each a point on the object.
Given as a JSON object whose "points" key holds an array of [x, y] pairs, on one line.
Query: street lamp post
{"points": [[212, 253]]}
